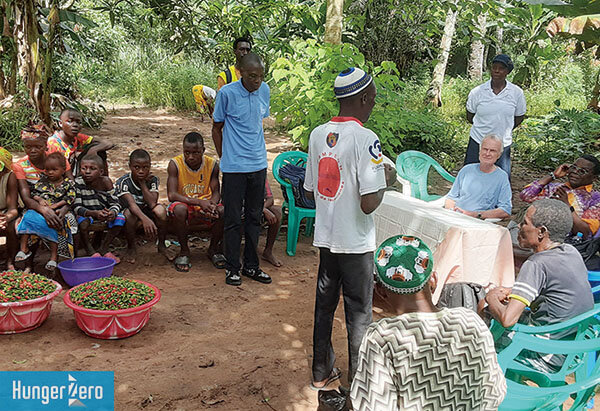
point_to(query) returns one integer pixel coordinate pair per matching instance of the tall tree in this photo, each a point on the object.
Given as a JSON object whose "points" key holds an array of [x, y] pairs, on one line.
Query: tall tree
{"points": [[475, 65], [434, 93], [500, 26], [333, 23]]}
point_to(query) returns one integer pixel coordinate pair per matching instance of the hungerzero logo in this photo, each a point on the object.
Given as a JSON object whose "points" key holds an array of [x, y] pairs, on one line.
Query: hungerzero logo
{"points": [[75, 393]]}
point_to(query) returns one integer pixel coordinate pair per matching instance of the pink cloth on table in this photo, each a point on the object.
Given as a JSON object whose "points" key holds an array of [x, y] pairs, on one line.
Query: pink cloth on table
{"points": [[464, 249]]}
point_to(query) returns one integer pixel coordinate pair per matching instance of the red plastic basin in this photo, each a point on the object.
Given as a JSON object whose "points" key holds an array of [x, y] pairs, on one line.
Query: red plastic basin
{"points": [[22, 316], [112, 324]]}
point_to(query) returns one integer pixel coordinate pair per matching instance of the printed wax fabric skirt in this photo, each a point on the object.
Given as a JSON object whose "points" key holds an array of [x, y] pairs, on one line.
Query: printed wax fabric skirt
{"points": [[34, 223]]}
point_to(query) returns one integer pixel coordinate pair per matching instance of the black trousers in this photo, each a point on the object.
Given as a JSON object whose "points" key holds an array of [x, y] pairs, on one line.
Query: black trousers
{"points": [[242, 190], [353, 274]]}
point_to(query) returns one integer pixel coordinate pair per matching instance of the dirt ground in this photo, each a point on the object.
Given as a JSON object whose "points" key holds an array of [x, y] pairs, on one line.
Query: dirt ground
{"points": [[207, 344]]}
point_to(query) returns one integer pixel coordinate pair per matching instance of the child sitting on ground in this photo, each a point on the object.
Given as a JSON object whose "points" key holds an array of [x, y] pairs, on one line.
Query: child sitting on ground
{"points": [[56, 191], [96, 206], [138, 193]]}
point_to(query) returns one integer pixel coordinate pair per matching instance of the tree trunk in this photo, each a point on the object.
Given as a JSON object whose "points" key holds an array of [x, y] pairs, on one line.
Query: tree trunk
{"points": [[45, 89], [475, 66], [594, 103], [26, 37], [333, 23], [434, 93], [12, 80], [499, 27]]}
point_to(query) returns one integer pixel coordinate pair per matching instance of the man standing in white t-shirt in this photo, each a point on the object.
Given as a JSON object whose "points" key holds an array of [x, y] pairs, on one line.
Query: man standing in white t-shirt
{"points": [[347, 175], [495, 107]]}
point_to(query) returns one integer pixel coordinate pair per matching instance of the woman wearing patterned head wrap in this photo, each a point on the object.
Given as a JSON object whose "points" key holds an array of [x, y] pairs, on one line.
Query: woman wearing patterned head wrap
{"points": [[8, 205], [28, 170]]}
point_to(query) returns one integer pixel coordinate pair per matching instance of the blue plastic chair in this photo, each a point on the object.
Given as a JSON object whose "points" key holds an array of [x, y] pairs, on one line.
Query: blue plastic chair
{"points": [[295, 214], [579, 362], [594, 279], [521, 396], [413, 166]]}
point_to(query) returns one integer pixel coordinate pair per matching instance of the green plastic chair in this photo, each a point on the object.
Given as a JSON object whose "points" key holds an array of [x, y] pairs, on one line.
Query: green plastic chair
{"points": [[521, 396], [413, 166], [552, 388], [295, 214]]}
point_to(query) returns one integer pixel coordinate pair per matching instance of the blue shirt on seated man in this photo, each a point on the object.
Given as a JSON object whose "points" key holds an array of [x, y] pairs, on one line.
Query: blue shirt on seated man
{"points": [[482, 189]]}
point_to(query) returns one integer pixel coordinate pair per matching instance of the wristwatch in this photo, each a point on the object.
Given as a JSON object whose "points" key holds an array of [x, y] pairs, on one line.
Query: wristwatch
{"points": [[479, 215], [572, 209], [553, 175]]}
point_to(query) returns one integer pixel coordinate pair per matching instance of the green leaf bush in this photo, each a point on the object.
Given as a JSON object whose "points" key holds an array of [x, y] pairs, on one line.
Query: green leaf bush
{"points": [[559, 137], [303, 98]]}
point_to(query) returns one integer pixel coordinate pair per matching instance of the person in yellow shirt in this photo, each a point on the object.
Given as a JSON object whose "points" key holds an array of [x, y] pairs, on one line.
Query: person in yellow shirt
{"points": [[241, 47], [195, 195], [204, 97]]}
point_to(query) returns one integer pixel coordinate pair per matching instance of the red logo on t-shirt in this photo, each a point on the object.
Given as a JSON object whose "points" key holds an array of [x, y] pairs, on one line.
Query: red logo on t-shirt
{"points": [[330, 182]]}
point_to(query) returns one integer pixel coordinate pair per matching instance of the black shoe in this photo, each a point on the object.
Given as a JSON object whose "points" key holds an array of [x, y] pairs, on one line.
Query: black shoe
{"points": [[233, 278], [257, 274]]}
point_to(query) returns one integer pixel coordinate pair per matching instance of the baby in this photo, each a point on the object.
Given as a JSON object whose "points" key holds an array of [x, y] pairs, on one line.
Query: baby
{"points": [[53, 190]]}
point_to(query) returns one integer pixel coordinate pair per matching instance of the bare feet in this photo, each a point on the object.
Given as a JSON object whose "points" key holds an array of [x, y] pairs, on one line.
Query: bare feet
{"points": [[169, 253], [268, 256], [130, 255]]}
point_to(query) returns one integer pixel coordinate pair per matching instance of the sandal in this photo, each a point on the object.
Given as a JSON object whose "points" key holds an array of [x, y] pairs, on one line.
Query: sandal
{"points": [[182, 264], [113, 257], [21, 256], [333, 376], [218, 260], [51, 266]]}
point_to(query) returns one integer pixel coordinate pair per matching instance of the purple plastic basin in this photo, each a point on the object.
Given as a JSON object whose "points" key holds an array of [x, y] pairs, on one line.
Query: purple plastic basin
{"points": [[84, 269]]}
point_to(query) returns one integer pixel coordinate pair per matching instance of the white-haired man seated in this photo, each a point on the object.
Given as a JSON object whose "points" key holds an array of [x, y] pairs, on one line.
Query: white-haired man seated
{"points": [[482, 190]]}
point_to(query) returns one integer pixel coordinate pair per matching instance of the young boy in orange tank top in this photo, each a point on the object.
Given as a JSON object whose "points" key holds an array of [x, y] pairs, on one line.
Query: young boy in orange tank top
{"points": [[195, 195]]}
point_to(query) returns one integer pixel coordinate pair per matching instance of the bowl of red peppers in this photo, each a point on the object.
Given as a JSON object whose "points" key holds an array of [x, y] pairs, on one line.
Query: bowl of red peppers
{"points": [[25, 300], [112, 307]]}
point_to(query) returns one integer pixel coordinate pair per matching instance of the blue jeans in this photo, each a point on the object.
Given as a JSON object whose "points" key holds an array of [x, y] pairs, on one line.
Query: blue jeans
{"points": [[472, 156]]}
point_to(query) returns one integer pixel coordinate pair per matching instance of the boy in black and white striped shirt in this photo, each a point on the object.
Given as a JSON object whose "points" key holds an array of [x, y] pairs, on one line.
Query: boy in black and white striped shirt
{"points": [[95, 205]]}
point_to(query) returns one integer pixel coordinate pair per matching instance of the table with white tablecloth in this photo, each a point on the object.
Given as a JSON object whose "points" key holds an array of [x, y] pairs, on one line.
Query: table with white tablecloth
{"points": [[464, 248]]}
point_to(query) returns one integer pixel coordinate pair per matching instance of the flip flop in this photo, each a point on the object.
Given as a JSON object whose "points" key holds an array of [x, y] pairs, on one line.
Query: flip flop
{"points": [[21, 256], [112, 257], [333, 376], [218, 261], [182, 260], [51, 265]]}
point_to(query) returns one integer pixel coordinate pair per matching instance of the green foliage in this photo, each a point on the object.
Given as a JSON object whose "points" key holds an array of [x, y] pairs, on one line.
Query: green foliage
{"points": [[558, 137], [303, 98], [403, 31], [529, 24], [149, 75], [12, 121], [207, 28]]}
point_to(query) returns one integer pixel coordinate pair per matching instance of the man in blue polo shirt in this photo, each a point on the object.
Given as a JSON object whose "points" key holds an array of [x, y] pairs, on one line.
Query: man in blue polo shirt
{"points": [[239, 139]]}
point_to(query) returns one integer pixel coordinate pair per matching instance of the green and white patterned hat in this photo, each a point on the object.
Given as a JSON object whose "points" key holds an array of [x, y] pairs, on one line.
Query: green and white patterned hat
{"points": [[404, 264]]}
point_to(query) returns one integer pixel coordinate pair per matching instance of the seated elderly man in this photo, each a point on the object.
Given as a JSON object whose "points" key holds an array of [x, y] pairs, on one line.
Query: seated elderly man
{"points": [[576, 193], [482, 189], [552, 282], [452, 345]]}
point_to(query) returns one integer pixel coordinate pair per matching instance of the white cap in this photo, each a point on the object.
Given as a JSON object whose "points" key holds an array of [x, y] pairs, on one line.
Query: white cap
{"points": [[350, 82]]}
